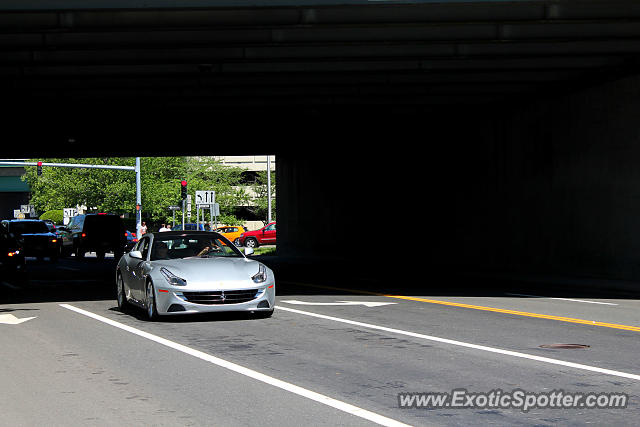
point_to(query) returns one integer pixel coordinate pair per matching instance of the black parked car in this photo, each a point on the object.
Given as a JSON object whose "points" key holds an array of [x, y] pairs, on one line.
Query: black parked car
{"points": [[11, 251], [54, 229], [36, 237], [99, 233]]}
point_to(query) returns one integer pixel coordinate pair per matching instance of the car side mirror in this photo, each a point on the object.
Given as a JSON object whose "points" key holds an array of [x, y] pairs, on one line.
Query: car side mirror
{"points": [[248, 251], [135, 254]]}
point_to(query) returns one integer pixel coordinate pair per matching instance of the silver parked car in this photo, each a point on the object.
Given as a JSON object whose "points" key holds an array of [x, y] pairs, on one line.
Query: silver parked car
{"points": [[181, 272]]}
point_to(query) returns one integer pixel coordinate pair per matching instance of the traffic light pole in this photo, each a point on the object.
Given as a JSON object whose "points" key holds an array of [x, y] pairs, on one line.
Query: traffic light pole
{"points": [[85, 166], [138, 199]]}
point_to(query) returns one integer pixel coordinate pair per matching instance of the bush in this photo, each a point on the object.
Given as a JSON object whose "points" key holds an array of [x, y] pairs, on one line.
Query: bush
{"points": [[56, 216]]}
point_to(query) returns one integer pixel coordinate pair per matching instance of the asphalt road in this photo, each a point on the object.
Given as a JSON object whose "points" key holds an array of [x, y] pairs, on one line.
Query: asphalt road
{"points": [[335, 352]]}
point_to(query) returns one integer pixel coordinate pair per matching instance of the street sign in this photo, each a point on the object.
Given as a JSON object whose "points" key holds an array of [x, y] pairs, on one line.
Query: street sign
{"points": [[216, 209], [25, 209], [174, 208], [205, 197], [17, 213], [68, 213]]}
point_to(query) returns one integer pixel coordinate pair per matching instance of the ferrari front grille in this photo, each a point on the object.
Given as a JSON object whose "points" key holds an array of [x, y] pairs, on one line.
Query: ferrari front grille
{"points": [[221, 297]]}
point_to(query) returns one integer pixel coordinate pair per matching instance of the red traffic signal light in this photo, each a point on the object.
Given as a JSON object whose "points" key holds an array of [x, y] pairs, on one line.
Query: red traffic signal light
{"points": [[183, 189], [39, 168]]}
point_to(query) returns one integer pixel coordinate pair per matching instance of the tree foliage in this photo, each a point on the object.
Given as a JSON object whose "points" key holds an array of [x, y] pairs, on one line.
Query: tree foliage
{"points": [[114, 191], [260, 202], [54, 215]]}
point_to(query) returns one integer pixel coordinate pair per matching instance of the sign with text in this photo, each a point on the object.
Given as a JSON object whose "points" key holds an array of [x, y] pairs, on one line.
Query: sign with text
{"points": [[205, 197], [68, 213]]}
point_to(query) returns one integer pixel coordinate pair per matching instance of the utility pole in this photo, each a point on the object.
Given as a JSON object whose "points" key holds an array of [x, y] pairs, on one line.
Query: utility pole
{"points": [[138, 199], [268, 189]]}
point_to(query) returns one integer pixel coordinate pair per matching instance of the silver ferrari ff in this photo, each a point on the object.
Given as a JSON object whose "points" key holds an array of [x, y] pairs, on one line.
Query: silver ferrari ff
{"points": [[182, 272]]}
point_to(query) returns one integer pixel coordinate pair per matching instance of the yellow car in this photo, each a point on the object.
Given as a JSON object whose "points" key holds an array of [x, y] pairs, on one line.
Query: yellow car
{"points": [[231, 232]]}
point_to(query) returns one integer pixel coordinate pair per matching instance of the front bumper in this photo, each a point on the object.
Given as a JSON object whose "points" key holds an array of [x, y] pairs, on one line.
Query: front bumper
{"points": [[172, 300]]}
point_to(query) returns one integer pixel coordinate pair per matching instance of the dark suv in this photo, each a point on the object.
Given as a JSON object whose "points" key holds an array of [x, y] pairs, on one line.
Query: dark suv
{"points": [[99, 233], [36, 238]]}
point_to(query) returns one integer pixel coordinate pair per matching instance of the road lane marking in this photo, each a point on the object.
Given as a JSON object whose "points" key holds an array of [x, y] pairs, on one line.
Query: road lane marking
{"points": [[9, 285], [10, 319], [563, 299], [320, 398], [365, 303], [68, 268], [467, 345], [483, 308]]}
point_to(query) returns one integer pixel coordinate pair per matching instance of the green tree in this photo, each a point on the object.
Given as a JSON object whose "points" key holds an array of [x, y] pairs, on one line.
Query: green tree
{"points": [[115, 191], [260, 202], [107, 190], [55, 216]]}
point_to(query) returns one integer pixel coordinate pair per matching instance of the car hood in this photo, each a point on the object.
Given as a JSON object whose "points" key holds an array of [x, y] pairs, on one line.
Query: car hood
{"points": [[38, 235], [224, 273]]}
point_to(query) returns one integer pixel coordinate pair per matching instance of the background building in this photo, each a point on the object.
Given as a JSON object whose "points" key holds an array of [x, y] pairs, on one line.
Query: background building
{"points": [[13, 191]]}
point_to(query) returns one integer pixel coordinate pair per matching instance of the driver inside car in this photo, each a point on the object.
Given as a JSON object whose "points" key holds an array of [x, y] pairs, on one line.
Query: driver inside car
{"points": [[208, 247], [161, 251]]}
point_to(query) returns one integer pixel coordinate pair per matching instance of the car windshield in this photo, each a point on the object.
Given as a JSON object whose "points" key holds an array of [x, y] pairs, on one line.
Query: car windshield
{"points": [[210, 245], [28, 227]]}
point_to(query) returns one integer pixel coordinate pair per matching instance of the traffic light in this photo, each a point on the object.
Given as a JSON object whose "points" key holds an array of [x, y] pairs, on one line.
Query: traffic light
{"points": [[183, 189], [39, 168]]}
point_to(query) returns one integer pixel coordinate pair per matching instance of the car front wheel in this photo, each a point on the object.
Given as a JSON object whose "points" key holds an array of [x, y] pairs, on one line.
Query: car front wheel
{"points": [[152, 311], [121, 295]]}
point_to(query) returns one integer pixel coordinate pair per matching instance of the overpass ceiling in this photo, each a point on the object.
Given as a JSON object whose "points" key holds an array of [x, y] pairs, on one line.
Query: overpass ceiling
{"points": [[58, 60]]}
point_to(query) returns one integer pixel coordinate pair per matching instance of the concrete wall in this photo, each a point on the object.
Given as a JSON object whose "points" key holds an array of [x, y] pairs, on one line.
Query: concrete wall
{"points": [[546, 186], [572, 182]]}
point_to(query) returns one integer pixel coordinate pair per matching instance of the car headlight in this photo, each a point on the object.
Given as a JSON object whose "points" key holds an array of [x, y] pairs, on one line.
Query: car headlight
{"points": [[172, 278], [261, 275]]}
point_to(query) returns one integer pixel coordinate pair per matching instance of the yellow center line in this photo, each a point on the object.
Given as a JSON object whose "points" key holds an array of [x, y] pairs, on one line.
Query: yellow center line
{"points": [[483, 308]]}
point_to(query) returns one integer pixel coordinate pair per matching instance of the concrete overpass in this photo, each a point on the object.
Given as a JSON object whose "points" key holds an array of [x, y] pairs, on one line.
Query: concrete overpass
{"points": [[524, 112]]}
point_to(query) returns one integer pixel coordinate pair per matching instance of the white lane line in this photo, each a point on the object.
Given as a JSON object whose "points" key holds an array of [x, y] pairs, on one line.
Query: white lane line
{"points": [[68, 268], [9, 285], [325, 400], [468, 345], [564, 299]]}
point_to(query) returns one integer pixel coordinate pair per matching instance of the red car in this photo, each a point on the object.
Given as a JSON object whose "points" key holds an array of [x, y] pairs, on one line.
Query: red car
{"points": [[265, 236]]}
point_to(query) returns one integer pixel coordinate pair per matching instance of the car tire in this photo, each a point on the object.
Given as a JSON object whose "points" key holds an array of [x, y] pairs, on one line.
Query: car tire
{"points": [[117, 255], [100, 255], [250, 242], [121, 297], [53, 257], [263, 314], [79, 253], [150, 303]]}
